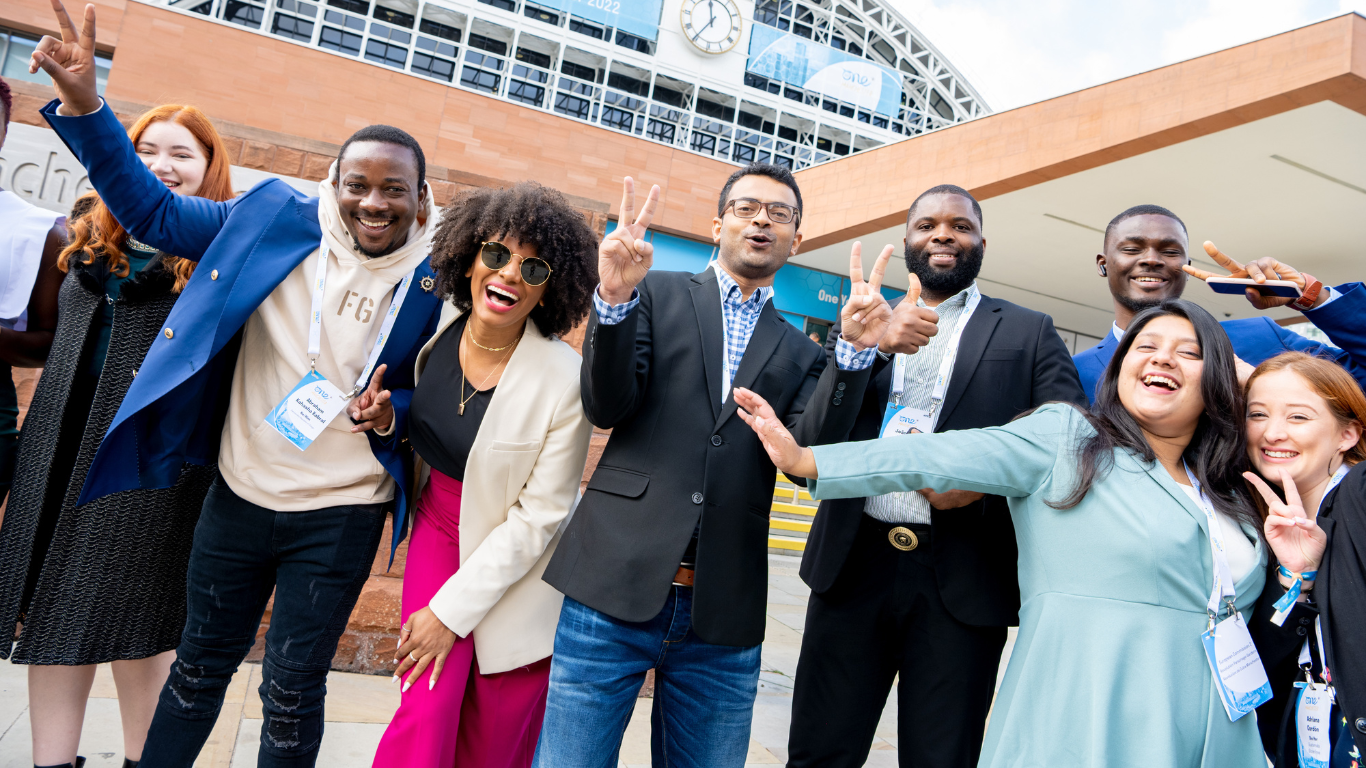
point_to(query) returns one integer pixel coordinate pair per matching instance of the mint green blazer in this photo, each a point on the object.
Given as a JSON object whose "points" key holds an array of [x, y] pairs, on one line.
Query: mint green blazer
{"points": [[1108, 669]]}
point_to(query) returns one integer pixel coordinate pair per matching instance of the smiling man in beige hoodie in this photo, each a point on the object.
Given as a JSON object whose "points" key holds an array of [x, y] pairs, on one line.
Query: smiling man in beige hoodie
{"points": [[296, 311]]}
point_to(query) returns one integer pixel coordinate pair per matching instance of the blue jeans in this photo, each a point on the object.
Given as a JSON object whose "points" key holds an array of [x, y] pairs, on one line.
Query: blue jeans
{"points": [[316, 562], [704, 693]]}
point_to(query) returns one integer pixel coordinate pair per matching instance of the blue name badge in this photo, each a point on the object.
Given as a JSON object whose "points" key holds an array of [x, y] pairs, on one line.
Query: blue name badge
{"points": [[904, 420], [1238, 671], [307, 410]]}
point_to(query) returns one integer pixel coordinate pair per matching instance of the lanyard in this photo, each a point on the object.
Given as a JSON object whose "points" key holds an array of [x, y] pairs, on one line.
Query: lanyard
{"points": [[1224, 589], [315, 325], [941, 383], [1307, 662]]}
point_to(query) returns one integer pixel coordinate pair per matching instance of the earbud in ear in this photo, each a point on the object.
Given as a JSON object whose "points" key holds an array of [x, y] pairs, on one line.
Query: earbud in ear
{"points": [[1103, 273]]}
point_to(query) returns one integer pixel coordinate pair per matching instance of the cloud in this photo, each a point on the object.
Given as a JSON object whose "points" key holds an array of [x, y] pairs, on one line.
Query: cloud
{"points": [[1017, 53]]}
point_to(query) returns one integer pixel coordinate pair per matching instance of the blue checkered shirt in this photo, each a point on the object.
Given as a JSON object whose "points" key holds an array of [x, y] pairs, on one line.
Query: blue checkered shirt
{"points": [[738, 318]]}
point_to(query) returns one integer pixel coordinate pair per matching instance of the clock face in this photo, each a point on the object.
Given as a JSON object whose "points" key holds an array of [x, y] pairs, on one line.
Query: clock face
{"points": [[713, 26]]}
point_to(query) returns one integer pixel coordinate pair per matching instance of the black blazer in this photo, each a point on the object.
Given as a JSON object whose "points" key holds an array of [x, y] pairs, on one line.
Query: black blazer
{"points": [[1340, 598], [1010, 360], [677, 456]]}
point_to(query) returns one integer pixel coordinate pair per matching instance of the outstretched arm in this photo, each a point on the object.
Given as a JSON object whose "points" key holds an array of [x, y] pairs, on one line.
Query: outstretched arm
{"points": [[1011, 460], [180, 225]]}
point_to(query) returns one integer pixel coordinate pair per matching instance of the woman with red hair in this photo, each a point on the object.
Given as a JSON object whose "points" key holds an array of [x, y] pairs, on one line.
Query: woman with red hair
{"points": [[104, 581], [1305, 439]]}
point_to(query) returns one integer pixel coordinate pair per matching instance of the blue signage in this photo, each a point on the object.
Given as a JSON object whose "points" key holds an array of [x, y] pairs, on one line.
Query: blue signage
{"points": [[796, 290], [806, 64], [636, 17]]}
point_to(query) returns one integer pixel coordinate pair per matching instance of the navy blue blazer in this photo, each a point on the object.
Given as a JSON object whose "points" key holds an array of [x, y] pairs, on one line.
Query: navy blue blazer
{"points": [[1259, 339], [245, 247]]}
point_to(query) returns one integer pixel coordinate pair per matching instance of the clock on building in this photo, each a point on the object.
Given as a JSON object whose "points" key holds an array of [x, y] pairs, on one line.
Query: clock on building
{"points": [[712, 26]]}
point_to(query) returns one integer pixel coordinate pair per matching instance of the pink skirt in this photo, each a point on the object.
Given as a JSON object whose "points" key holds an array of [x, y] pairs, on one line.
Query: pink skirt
{"points": [[470, 719]]}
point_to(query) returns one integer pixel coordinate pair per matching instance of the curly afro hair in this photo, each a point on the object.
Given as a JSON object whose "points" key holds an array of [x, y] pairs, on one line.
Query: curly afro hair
{"points": [[536, 215]]}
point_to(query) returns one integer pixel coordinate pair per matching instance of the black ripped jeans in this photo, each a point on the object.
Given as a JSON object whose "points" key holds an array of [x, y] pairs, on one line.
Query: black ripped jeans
{"points": [[317, 563]]}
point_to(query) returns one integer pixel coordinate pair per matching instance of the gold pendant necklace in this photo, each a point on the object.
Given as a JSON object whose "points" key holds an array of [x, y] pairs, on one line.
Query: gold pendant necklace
{"points": [[463, 399]]}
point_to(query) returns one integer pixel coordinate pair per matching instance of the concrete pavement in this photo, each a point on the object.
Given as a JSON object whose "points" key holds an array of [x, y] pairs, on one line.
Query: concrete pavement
{"points": [[359, 706]]}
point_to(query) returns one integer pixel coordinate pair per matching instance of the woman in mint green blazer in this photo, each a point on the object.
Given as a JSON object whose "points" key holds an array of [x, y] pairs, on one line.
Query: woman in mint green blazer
{"points": [[1115, 561]]}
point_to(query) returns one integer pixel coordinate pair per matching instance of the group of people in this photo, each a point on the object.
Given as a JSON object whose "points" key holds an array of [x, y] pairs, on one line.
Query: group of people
{"points": [[239, 391]]}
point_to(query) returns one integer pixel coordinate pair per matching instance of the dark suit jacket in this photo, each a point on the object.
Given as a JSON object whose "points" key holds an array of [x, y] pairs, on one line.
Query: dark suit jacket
{"points": [[677, 456], [1010, 360]]}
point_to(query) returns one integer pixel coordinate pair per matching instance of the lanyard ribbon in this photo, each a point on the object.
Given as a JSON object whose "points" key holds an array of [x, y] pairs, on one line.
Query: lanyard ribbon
{"points": [[315, 324], [1224, 590], [941, 383], [1286, 603]]}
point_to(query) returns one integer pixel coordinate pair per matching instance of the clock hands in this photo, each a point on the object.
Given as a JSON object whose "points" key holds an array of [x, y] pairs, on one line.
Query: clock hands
{"points": [[710, 22]]}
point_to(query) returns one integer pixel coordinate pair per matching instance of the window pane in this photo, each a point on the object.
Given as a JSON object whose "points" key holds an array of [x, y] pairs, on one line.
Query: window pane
{"points": [[241, 13], [617, 118], [479, 80], [292, 27], [337, 40], [385, 53], [573, 106], [526, 93], [704, 143], [355, 6], [660, 131], [440, 30], [433, 67]]}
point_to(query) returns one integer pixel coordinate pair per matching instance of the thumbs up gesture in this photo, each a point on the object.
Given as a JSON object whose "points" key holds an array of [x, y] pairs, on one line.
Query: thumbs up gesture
{"points": [[866, 315], [70, 62], [911, 326]]}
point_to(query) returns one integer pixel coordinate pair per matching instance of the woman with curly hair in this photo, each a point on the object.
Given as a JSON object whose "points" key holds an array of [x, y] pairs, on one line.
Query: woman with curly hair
{"points": [[499, 429], [104, 581]]}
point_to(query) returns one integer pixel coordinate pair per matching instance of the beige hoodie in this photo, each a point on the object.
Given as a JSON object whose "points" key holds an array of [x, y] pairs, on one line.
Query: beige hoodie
{"points": [[257, 462]]}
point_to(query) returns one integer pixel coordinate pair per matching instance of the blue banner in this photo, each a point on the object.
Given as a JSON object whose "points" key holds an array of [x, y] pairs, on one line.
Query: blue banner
{"points": [[806, 64], [636, 17]]}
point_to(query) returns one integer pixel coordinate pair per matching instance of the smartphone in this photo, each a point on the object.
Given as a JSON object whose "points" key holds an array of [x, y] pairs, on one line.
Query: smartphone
{"points": [[1238, 285]]}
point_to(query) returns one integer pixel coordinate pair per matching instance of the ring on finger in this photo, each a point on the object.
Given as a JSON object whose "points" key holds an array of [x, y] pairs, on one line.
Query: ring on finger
{"points": [[411, 656]]}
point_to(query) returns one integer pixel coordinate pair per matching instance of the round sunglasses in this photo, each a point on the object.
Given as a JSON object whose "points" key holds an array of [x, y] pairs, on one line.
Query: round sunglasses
{"points": [[535, 271]]}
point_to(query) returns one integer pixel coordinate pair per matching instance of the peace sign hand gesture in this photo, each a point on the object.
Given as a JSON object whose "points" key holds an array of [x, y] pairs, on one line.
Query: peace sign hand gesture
{"points": [[1261, 270], [70, 62], [1297, 541], [867, 315], [624, 257]]}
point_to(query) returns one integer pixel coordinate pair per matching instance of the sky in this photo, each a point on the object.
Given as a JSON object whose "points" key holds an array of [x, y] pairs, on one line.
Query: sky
{"points": [[1018, 53]]}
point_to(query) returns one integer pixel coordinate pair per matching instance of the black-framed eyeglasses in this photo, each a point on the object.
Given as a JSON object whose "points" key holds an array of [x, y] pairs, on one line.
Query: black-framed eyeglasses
{"points": [[748, 208], [535, 271]]}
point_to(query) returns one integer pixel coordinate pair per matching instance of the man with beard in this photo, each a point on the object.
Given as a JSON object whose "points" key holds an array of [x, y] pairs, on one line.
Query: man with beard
{"points": [[664, 565], [1145, 263], [898, 587]]}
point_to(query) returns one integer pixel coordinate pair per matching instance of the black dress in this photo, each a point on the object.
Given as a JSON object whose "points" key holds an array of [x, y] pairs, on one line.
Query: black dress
{"points": [[106, 580], [1339, 600]]}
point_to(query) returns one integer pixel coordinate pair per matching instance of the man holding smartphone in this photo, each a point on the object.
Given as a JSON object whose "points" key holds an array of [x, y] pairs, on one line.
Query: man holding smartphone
{"points": [[1145, 262]]}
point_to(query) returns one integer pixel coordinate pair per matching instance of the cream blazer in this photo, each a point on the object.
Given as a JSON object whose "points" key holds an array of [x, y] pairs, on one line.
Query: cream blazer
{"points": [[521, 482]]}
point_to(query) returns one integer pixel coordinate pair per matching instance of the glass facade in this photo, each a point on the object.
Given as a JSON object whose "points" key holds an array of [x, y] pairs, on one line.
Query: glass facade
{"points": [[602, 69]]}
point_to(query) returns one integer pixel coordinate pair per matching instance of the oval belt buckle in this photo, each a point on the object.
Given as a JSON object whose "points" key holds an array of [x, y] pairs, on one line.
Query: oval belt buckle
{"points": [[903, 539]]}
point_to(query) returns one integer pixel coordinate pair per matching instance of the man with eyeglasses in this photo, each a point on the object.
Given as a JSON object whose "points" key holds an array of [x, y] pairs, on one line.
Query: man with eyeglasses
{"points": [[665, 562]]}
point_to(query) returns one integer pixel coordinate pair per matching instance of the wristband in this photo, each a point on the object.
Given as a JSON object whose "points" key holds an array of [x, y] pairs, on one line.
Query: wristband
{"points": [[1287, 601], [1310, 294]]}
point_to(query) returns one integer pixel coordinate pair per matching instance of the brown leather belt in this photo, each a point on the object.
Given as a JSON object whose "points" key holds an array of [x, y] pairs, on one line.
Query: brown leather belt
{"points": [[684, 577]]}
